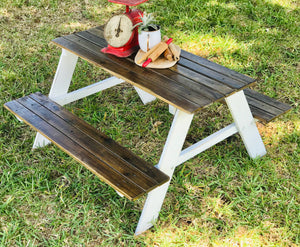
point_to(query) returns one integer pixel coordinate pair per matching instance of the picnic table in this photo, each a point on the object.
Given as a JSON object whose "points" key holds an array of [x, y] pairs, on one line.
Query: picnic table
{"points": [[191, 85]]}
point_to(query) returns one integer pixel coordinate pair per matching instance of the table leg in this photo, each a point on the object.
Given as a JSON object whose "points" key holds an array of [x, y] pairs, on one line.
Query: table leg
{"points": [[167, 164], [245, 124], [145, 97], [60, 86]]}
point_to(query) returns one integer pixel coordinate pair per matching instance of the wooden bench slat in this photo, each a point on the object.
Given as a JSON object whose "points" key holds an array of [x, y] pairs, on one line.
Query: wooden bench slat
{"points": [[116, 180], [92, 146], [132, 183], [268, 100], [261, 114], [89, 130], [263, 107]]}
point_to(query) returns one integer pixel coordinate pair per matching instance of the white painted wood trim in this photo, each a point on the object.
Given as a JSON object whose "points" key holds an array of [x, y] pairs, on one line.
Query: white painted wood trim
{"points": [[63, 75], [60, 86], [144, 96], [206, 143], [87, 91], [245, 123], [172, 109], [167, 164]]}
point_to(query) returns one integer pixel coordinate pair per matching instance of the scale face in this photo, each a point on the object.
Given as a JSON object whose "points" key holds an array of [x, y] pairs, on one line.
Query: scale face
{"points": [[119, 33], [118, 30]]}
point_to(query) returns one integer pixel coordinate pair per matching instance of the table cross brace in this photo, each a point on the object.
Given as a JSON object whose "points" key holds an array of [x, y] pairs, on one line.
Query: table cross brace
{"points": [[206, 143]]}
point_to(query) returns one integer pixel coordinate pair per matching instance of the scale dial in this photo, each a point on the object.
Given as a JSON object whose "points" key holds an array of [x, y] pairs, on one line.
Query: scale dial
{"points": [[118, 30]]}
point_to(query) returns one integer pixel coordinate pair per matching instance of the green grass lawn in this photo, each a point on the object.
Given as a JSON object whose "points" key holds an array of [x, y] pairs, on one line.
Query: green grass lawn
{"points": [[219, 198]]}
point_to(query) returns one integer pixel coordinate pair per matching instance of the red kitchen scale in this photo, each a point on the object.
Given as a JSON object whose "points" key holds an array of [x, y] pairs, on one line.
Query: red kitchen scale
{"points": [[119, 31]]}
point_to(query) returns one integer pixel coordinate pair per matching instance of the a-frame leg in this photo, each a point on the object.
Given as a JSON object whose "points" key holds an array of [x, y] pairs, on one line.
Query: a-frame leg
{"points": [[245, 124], [144, 96], [167, 164], [60, 85]]}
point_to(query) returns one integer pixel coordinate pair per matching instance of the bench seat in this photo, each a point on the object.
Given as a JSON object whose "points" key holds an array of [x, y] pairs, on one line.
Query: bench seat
{"points": [[112, 163], [263, 107]]}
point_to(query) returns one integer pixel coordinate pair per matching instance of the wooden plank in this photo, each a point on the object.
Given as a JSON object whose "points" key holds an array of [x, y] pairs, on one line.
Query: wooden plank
{"points": [[216, 67], [203, 79], [97, 149], [267, 100], [203, 89], [97, 31], [163, 83], [99, 168], [124, 153], [261, 114], [134, 74], [204, 86], [265, 108], [228, 81], [230, 75], [113, 67]]}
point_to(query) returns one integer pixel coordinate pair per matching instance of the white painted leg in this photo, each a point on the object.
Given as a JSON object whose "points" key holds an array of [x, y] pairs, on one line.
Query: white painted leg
{"points": [[40, 141], [172, 109], [167, 164], [60, 86], [63, 75], [245, 124], [145, 97]]}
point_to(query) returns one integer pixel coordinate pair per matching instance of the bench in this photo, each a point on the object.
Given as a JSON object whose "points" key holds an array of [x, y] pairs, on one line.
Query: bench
{"points": [[112, 163], [263, 107]]}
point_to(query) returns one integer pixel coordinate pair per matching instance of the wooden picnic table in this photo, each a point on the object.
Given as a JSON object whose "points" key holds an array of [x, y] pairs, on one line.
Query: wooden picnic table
{"points": [[192, 84]]}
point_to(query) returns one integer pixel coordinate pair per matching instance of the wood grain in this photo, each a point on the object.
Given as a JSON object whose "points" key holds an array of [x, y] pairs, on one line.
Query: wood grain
{"points": [[193, 83], [190, 85], [114, 164]]}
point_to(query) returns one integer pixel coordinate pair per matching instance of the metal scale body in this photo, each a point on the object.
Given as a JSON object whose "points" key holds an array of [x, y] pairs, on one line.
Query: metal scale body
{"points": [[119, 33]]}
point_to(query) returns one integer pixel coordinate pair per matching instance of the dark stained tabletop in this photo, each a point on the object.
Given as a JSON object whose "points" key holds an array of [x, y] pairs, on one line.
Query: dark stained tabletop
{"points": [[193, 83]]}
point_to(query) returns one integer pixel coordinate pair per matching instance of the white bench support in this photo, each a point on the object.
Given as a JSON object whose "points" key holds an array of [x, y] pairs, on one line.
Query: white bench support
{"points": [[60, 86], [172, 109], [167, 164], [245, 124], [145, 97]]}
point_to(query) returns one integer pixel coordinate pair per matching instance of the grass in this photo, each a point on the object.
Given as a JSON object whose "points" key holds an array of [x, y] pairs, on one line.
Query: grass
{"points": [[219, 198]]}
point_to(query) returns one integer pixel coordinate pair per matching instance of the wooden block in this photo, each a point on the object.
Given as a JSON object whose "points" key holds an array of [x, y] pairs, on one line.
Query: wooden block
{"points": [[173, 48], [168, 54]]}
